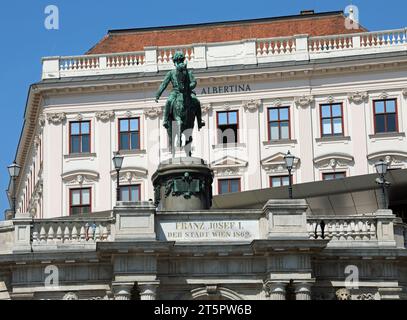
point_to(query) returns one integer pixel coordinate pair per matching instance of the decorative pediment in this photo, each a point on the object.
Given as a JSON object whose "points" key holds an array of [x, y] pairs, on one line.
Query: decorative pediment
{"points": [[393, 158], [153, 112], [303, 101], [251, 105], [358, 97], [228, 165], [80, 177], [104, 115], [276, 163], [333, 160], [56, 118], [129, 174]]}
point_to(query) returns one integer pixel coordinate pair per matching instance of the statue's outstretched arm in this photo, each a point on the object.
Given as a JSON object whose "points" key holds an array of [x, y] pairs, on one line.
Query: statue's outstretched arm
{"points": [[192, 80], [163, 86]]}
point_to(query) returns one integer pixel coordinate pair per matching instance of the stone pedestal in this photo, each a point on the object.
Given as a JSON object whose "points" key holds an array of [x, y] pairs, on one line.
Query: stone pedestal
{"points": [[287, 219], [182, 184], [134, 221]]}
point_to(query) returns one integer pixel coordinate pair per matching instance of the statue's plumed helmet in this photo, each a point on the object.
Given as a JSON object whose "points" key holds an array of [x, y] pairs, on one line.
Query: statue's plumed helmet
{"points": [[178, 57]]}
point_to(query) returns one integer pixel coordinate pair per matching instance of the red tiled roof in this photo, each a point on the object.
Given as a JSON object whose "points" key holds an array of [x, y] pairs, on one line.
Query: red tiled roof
{"points": [[318, 24]]}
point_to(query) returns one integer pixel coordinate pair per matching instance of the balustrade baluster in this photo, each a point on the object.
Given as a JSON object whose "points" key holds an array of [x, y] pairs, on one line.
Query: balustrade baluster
{"points": [[59, 234], [74, 234], [66, 234]]}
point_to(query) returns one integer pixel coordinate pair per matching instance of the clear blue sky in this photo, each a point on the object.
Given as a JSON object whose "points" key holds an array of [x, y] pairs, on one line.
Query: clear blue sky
{"points": [[24, 39]]}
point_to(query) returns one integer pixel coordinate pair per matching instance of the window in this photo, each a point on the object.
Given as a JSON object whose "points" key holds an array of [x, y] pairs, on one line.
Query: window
{"points": [[385, 116], [129, 134], [80, 201], [130, 193], [333, 175], [227, 126], [331, 119], [279, 123], [229, 185], [279, 181], [79, 132]]}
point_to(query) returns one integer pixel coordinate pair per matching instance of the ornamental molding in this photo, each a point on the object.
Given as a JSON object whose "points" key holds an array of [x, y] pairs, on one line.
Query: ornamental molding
{"points": [[41, 120], [80, 177], [56, 118], [358, 97], [206, 107], [251, 105], [35, 198], [214, 291], [303, 101], [153, 112], [276, 163], [228, 166], [37, 141], [330, 99], [334, 160], [343, 294], [70, 296], [404, 92], [277, 103], [104, 116], [129, 174], [226, 107], [392, 158], [128, 114], [383, 95], [79, 117]]}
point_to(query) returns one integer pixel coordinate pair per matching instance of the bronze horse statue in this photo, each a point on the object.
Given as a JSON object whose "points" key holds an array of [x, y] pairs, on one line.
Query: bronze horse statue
{"points": [[182, 105]]}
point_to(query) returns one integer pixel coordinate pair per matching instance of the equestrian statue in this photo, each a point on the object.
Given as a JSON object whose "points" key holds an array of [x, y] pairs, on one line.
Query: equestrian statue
{"points": [[182, 106]]}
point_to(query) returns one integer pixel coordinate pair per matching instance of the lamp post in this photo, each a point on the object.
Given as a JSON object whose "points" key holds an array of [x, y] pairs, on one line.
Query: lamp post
{"points": [[14, 171], [381, 169], [289, 162], [118, 161]]}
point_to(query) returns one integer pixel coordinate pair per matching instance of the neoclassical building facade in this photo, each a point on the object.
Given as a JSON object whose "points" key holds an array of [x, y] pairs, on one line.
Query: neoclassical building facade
{"points": [[333, 96]]}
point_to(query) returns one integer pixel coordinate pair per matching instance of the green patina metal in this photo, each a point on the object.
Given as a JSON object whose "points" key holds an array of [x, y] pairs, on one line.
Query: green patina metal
{"points": [[182, 106]]}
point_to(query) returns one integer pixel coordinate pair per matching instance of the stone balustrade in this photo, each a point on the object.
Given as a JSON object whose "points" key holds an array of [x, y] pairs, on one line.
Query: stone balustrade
{"points": [[284, 219], [342, 228], [250, 51], [373, 229], [70, 232]]}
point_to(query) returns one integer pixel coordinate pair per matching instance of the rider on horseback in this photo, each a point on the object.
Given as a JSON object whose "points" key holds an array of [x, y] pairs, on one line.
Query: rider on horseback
{"points": [[183, 83]]}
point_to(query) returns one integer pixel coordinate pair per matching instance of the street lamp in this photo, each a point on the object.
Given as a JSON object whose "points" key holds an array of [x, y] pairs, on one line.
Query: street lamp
{"points": [[118, 161], [14, 171], [381, 169], [289, 162]]}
